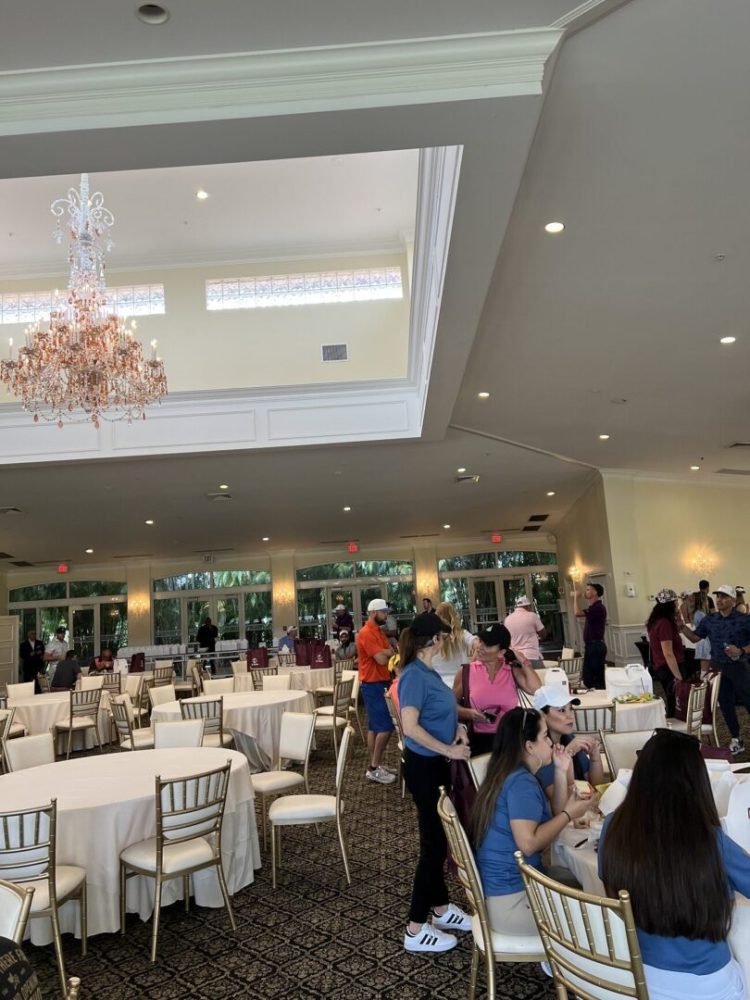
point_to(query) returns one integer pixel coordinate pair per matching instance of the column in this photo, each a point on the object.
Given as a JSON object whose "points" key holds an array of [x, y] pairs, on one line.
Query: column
{"points": [[138, 578], [283, 592], [426, 582]]}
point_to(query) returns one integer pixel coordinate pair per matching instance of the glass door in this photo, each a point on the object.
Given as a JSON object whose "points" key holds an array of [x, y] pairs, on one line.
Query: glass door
{"points": [[367, 594], [226, 616], [340, 595], [513, 588], [484, 602], [84, 638], [197, 611]]}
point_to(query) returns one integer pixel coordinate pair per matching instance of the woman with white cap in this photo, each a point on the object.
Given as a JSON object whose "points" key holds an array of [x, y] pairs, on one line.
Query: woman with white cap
{"points": [[667, 651], [583, 752]]}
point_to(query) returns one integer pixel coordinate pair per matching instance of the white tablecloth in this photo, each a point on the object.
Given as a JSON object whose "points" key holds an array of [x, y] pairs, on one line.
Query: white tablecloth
{"points": [[583, 862], [253, 717], [309, 678], [629, 718], [41, 712], [106, 803]]}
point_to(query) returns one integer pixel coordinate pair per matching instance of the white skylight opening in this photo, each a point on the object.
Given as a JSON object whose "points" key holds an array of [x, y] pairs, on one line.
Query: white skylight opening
{"points": [[125, 300], [307, 289]]}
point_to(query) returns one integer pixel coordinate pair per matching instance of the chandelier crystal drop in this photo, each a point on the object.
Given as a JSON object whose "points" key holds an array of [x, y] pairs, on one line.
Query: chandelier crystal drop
{"points": [[85, 357]]}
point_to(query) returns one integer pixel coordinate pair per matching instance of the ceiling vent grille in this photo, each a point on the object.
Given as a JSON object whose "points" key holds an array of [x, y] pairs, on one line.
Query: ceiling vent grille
{"points": [[740, 444], [218, 497], [435, 534], [335, 352], [531, 527], [466, 479], [21, 562], [10, 510], [539, 517], [733, 472], [5, 555]]}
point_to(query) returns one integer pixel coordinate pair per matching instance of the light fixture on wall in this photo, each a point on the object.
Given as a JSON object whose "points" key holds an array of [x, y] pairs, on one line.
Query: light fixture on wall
{"points": [[703, 563], [575, 573], [85, 357], [283, 593]]}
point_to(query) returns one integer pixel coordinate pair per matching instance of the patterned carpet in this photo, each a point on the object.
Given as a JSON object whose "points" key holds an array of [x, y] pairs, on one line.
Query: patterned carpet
{"points": [[313, 937]]}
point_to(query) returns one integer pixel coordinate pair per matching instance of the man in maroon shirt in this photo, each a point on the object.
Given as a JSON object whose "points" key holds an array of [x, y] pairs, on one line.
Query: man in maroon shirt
{"points": [[594, 647]]}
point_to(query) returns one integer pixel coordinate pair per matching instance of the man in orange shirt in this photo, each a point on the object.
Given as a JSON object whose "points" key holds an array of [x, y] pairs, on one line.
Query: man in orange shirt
{"points": [[374, 652]]}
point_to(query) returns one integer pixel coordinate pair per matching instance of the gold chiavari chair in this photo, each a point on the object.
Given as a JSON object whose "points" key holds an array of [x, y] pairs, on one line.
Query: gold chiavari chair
{"points": [[286, 659], [28, 840], [693, 725], [212, 712], [162, 694], [258, 673], [621, 749], [74, 988], [309, 810], [219, 685], [478, 768], [42, 680], [333, 717], [590, 941], [573, 666], [189, 816], [594, 720], [396, 720], [163, 675], [295, 741], [112, 682], [488, 944], [128, 737], [339, 666], [15, 907], [709, 728], [84, 714]]}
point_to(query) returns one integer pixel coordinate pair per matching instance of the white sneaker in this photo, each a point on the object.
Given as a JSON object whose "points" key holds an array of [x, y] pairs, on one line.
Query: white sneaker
{"points": [[454, 919], [388, 770], [736, 746], [429, 938], [380, 775]]}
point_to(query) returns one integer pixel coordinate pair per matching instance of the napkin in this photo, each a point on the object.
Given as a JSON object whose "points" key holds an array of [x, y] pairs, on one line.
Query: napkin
{"points": [[615, 794]]}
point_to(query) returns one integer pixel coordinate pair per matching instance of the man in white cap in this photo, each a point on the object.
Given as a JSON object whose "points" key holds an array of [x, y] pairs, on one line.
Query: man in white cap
{"points": [[526, 630], [374, 652], [342, 619], [729, 633]]}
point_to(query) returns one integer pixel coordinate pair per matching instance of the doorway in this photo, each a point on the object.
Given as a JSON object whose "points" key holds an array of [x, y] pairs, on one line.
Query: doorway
{"points": [[84, 632]]}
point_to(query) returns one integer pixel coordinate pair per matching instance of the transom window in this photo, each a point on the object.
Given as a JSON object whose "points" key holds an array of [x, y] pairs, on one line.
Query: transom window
{"points": [[366, 284], [224, 578], [125, 300]]}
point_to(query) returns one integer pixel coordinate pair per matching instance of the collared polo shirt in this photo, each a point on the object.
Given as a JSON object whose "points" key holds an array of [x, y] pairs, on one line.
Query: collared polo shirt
{"points": [[371, 639], [734, 630], [596, 618]]}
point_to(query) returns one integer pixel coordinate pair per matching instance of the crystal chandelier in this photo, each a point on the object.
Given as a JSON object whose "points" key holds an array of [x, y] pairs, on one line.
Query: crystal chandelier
{"points": [[84, 357]]}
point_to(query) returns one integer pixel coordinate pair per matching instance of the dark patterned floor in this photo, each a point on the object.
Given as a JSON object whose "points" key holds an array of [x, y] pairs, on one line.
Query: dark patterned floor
{"points": [[313, 937]]}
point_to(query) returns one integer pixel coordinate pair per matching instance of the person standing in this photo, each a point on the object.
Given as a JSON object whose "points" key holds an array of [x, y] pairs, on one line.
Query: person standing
{"points": [[208, 633], [526, 631], [286, 642], [433, 737], [729, 632], [594, 647], [32, 657], [704, 595], [456, 649], [374, 652], [342, 619], [667, 653], [427, 608], [57, 647]]}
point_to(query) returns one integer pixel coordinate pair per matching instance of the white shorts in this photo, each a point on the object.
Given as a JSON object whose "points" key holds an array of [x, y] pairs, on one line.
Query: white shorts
{"points": [[726, 984]]}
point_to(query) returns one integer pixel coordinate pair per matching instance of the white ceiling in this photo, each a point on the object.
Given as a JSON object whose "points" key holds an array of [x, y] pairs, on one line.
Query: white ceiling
{"points": [[643, 150], [266, 209]]}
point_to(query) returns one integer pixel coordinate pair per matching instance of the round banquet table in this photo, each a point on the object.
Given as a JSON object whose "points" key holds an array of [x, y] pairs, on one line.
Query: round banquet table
{"points": [[302, 679], [105, 803], [41, 712], [628, 718], [254, 718]]}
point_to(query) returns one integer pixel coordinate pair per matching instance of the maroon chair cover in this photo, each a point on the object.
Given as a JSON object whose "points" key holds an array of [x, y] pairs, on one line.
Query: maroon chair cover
{"points": [[302, 652], [257, 657], [321, 658], [137, 663]]}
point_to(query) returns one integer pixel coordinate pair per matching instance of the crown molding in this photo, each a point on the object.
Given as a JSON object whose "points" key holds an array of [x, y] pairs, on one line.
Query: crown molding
{"points": [[585, 14], [260, 84]]}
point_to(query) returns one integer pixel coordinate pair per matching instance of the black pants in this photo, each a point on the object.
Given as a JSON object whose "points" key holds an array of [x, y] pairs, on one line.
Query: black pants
{"points": [[735, 683], [594, 655], [424, 776], [666, 678]]}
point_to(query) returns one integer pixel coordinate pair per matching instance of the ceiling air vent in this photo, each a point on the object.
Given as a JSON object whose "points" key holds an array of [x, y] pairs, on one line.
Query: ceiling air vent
{"points": [[335, 352], [531, 527], [733, 472], [5, 555], [539, 517], [435, 534], [10, 510], [467, 479], [740, 444], [218, 497], [21, 562]]}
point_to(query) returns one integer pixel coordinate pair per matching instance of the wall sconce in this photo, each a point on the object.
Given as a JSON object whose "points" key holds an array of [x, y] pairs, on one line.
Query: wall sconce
{"points": [[283, 593], [575, 573], [703, 563], [138, 605]]}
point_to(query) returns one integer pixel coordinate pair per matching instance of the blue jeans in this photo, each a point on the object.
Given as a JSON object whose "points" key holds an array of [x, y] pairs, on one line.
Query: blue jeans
{"points": [[735, 683]]}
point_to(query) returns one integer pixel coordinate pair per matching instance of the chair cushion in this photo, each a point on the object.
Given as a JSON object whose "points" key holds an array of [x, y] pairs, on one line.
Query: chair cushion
{"points": [[68, 878], [17, 730], [292, 809], [325, 689], [79, 722], [177, 857], [142, 738], [212, 740], [509, 944], [327, 722], [275, 781]]}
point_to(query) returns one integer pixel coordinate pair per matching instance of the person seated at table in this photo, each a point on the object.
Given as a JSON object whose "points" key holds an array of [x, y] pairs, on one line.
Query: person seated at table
{"points": [[66, 673], [286, 642], [488, 687], [347, 647], [584, 754], [666, 847], [104, 661], [511, 813]]}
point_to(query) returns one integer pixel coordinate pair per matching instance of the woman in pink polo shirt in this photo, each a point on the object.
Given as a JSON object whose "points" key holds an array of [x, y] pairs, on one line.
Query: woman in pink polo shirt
{"points": [[488, 687]]}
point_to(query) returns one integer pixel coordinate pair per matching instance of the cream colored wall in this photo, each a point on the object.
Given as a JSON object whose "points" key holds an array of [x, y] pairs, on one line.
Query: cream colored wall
{"points": [[260, 347], [583, 542]]}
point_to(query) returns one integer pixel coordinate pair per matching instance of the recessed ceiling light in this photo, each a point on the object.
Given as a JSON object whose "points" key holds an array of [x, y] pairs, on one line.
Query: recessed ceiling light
{"points": [[89, 552], [347, 509], [201, 195], [446, 526], [604, 437], [550, 493], [727, 340], [152, 13], [554, 227], [223, 486], [462, 469], [694, 468], [483, 395], [265, 538], [149, 521]]}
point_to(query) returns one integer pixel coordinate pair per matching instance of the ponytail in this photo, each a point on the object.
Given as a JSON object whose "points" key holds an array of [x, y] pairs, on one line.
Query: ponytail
{"points": [[409, 645]]}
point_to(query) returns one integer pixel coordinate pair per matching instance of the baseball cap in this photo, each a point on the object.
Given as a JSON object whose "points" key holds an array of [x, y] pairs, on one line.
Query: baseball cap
{"points": [[426, 626], [495, 635], [665, 595], [726, 590], [553, 696], [522, 601], [60, 628], [378, 604], [339, 607]]}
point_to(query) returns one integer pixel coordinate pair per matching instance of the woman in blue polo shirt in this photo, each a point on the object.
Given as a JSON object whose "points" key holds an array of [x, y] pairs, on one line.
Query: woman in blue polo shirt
{"points": [[511, 813], [665, 845], [433, 737]]}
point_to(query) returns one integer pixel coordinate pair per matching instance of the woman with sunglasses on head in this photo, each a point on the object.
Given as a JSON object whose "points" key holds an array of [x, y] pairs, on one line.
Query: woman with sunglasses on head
{"points": [[511, 813], [433, 737], [583, 752], [488, 687], [665, 845]]}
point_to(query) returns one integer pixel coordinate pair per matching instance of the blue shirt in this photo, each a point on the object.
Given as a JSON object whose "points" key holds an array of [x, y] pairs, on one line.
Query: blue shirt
{"points": [[680, 954], [422, 688], [286, 642], [734, 630], [581, 763], [521, 797]]}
